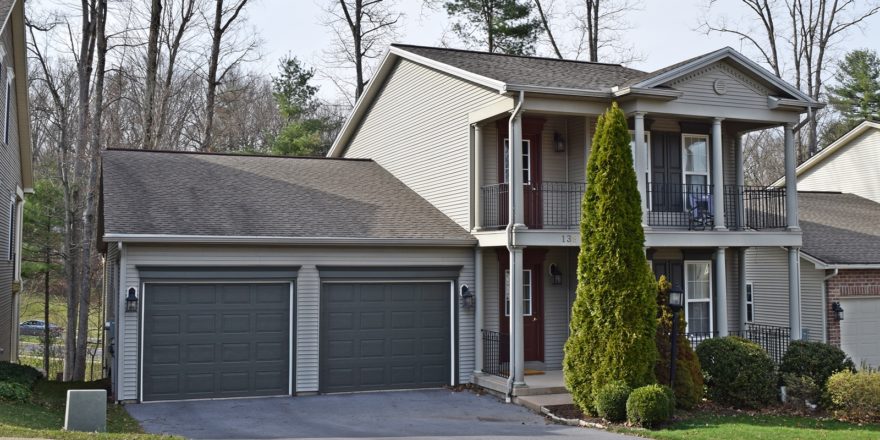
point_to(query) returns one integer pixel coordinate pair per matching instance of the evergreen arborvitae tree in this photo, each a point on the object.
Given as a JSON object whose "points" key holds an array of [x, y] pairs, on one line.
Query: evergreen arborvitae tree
{"points": [[613, 321]]}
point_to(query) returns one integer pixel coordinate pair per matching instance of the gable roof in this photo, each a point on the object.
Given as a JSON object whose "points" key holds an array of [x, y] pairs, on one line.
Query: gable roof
{"points": [[194, 197], [840, 228], [823, 154], [513, 73]]}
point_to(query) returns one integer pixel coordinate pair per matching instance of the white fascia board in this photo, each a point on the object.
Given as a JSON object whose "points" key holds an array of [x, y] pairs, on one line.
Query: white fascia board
{"points": [[268, 240], [558, 91], [648, 93], [829, 150], [823, 265], [728, 52], [360, 107]]}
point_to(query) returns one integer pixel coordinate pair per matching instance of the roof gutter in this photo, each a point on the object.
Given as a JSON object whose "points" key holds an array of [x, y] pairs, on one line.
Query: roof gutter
{"points": [[837, 266], [275, 240]]}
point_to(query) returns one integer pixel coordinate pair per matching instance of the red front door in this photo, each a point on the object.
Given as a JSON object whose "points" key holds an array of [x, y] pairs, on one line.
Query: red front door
{"points": [[533, 300], [531, 133]]}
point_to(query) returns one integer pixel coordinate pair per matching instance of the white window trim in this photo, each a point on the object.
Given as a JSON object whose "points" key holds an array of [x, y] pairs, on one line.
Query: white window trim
{"points": [[527, 153], [710, 300], [750, 292], [684, 172], [527, 287]]}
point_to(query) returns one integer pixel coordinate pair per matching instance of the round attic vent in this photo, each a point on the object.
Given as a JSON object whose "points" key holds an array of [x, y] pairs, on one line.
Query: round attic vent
{"points": [[720, 86]]}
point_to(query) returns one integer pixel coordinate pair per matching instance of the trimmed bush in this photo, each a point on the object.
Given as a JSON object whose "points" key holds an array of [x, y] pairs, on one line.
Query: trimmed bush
{"points": [[738, 372], [801, 390], [688, 375], [613, 320], [855, 396], [610, 401], [14, 391], [815, 360], [649, 405], [18, 373]]}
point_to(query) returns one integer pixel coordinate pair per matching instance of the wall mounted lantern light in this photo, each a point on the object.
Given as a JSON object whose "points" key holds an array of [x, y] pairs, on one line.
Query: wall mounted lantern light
{"points": [[131, 301], [838, 310], [558, 142], [555, 275], [468, 300]]}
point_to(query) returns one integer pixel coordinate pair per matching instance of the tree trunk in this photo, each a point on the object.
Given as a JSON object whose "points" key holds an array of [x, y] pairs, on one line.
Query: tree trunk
{"points": [[47, 344], [152, 70], [547, 29], [173, 50], [216, 36]]}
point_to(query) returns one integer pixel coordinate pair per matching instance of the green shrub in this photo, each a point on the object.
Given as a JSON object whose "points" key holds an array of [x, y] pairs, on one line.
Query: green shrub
{"points": [[815, 360], [801, 390], [688, 376], [610, 401], [17, 373], [613, 321], [855, 396], [738, 372], [649, 405], [14, 391]]}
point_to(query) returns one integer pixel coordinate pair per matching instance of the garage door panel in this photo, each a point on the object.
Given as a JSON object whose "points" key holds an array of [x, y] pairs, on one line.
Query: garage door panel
{"points": [[196, 348], [860, 330], [372, 344]]}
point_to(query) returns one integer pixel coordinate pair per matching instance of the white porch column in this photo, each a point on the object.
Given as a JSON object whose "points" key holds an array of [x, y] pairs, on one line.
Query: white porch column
{"points": [[478, 177], [741, 267], [479, 310], [791, 203], [640, 164], [721, 291], [740, 182], [717, 176], [794, 292], [517, 338], [516, 171]]}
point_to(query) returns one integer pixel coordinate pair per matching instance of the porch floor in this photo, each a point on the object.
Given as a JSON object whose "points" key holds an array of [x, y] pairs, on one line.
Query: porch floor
{"points": [[551, 382]]}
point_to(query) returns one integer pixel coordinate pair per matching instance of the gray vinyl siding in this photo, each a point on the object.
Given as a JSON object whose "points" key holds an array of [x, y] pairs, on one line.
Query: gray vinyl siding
{"points": [[556, 307], [732, 266], [307, 301], [845, 170], [491, 289], [10, 179], [742, 91], [417, 129], [767, 270]]}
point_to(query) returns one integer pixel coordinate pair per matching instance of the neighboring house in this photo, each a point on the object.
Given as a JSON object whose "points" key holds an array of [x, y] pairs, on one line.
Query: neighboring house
{"points": [[840, 274], [848, 165], [16, 173], [395, 270]]}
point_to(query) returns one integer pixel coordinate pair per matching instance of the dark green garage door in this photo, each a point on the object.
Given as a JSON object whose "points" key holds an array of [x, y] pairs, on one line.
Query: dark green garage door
{"points": [[215, 340], [382, 336]]}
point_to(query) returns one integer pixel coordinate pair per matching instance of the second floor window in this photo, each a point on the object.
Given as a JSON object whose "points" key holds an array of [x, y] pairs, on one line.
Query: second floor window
{"points": [[696, 161], [526, 158]]}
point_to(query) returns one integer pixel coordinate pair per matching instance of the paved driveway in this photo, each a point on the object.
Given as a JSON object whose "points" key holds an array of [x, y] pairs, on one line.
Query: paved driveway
{"points": [[392, 415]]}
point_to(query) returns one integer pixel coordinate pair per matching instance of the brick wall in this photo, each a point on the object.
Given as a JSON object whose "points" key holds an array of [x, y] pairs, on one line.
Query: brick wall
{"points": [[849, 283]]}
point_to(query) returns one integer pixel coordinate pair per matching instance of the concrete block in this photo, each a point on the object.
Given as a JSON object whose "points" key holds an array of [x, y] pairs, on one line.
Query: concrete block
{"points": [[86, 411]]}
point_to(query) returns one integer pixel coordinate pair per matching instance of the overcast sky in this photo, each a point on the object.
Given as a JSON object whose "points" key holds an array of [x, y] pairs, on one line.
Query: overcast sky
{"points": [[663, 31]]}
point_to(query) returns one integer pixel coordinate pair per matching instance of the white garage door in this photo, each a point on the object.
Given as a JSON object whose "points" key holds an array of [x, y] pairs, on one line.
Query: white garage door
{"points": [[860, 330]]}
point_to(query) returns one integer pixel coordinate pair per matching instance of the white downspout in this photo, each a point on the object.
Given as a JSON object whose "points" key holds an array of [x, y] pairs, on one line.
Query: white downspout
{"points": [[511, 218]]}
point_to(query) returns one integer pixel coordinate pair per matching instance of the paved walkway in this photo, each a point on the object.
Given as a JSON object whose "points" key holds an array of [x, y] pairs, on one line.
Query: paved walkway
{"points": [[424, 414]]}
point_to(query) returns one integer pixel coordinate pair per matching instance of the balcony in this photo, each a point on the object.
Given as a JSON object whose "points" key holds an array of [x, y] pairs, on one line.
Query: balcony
{"points": [[557, 205]]}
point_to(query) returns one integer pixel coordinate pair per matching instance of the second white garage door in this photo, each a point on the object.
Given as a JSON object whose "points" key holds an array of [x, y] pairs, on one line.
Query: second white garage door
{"points": [[860, 330]]}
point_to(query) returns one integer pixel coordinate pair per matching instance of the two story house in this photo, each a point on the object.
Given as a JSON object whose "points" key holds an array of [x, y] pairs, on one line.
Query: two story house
{"points": [[16, 169], [437, 243]]}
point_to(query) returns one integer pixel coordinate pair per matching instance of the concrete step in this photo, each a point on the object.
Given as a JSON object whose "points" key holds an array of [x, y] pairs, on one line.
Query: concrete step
{"points": [[537, 402]]}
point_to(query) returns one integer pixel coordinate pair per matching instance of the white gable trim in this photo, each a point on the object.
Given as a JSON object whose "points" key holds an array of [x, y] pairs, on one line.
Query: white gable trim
{"points": [[500, 86], [728, 53], [830, 149]]}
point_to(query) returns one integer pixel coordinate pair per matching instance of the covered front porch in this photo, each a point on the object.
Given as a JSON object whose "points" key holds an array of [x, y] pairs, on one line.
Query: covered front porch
{"points": [[719, 302]]}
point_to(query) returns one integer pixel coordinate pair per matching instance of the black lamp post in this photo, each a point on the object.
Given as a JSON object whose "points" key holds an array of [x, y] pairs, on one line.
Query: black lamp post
{"points": [[676, 303]]}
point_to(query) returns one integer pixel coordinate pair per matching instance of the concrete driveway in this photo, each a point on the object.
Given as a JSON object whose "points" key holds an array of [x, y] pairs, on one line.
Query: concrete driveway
{"points": [[384, 415]]}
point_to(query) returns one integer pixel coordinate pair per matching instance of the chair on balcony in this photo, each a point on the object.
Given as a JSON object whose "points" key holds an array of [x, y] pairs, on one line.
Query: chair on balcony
{"points": [[700, 211]]}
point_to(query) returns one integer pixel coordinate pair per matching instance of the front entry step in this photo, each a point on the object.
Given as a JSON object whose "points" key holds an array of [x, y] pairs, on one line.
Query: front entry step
{"points": [[537, 403]]}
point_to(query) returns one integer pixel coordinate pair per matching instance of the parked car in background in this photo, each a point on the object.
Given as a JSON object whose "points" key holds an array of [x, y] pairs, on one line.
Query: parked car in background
{"points": [[36, 327]]}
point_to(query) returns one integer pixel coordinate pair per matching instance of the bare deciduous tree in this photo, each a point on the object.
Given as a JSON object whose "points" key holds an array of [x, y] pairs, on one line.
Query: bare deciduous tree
{"points": [[601, 25]]}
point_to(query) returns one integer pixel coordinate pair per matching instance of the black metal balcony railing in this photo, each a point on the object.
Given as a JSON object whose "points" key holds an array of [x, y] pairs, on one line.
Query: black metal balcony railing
{"points": [[547, 205], [754, 207], [681, 205], [773, 339], [495, 358], [551, 205]]}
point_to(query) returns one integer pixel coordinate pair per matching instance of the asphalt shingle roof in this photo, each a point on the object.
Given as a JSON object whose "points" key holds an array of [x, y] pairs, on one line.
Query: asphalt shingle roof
{"points": [[168, 193], [840, 228], [531, 71]]}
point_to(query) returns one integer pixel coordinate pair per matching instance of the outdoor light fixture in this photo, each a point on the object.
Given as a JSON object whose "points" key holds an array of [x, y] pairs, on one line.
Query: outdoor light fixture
{"points": [[558, 142], [676, 303], [467, 297], [131, 301], [555, 275], [838, 311]]}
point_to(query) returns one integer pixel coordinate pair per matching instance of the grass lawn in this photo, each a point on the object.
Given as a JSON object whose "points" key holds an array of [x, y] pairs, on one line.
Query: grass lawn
{"points": [[43, 416], [758, 427]]}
